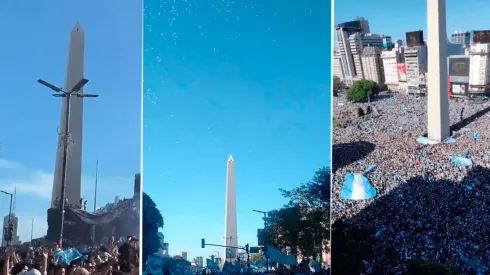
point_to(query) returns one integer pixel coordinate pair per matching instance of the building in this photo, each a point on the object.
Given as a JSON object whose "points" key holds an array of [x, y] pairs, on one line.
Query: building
{"points": [[199, 261], [355, 44], [165, 250], [458, 71], [231, 235], [387, 43], [15, 222], [74, 74], [338, 70], [479, 79], [344, 31], [137, 184], [183, 255], [390, 60], [461, 37], [416, 67], [372, 64]]}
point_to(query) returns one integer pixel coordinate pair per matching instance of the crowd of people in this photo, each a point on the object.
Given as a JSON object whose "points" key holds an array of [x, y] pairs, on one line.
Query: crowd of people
{"points": [[109, 259], [426, 206]]}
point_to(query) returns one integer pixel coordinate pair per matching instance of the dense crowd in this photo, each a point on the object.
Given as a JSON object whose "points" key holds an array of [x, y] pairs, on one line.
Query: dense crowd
{"points": [[426, 205], [108, 259]]}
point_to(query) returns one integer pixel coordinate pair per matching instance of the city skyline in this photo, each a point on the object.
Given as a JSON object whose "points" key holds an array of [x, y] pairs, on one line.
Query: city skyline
{"points": [[251, 89], [113, 66], [410, 16]]}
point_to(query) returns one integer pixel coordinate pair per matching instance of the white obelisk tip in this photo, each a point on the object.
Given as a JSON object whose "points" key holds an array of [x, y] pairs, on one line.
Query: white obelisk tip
{"points": [[230, 158], [77, 28]]}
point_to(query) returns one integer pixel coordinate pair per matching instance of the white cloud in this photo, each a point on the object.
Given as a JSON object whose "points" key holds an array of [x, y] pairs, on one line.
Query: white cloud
{"points": [[34, 188], [40, 184], [7, 164], [38, 230]]}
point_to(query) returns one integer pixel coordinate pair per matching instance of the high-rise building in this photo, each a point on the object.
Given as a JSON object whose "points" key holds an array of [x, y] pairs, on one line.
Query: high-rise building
{"points": [[391, 59], [338, 69], [165, 250], [231, 238], [372, 64], [74, 74], [355, 44], [416, 67], [137, 184], [15, 223], [199, 261], [344, 31], [479, 68], [461, 37], [387, 43], [183, 255], [372, 39]]}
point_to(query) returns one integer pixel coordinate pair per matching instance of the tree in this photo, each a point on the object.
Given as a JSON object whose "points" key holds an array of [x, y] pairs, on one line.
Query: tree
{"points": [[152, 222], [337, 85], [362, 90], [303, 224], [256, 258]]}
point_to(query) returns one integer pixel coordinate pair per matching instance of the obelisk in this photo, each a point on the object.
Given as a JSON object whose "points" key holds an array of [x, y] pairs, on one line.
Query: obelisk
{"points": [[230, 212], [74, 73], [437, 101]]}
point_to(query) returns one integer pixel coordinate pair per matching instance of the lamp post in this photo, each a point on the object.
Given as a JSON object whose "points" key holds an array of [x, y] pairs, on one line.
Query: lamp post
{"points": [[9, 232], [265, 224], [59, 92]]}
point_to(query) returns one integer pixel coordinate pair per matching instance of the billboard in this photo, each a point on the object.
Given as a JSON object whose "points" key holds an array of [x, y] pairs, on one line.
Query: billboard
{"points": [[459, 66], [459, 89], [415, 38], [402, 72], [482, 37]]}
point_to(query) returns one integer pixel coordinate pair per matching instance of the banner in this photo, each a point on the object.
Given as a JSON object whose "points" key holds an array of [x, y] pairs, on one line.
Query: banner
{"points": [[402, 72]]}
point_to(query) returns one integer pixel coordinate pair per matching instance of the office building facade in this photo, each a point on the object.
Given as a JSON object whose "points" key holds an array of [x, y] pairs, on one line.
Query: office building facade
{"points": [[372, 64], [461, 38], [479, 75]]}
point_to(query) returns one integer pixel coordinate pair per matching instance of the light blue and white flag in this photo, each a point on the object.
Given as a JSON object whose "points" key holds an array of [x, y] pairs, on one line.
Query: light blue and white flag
{"points": [[357, 186]]}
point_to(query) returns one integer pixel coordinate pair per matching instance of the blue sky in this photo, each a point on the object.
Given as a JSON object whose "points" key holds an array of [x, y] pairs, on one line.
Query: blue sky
{"points": [[247, 78], [36, 47], [395, 18]]}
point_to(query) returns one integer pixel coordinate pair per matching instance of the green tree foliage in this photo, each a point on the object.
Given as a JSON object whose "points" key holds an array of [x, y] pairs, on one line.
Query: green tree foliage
{"points": [[421, 267], [362, 90], [337, 85], [256, 258], [152, 221], [303, 223]]}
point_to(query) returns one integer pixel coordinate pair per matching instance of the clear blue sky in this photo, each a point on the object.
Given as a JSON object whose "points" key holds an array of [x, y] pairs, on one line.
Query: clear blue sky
{"points": [[247, 78], [395, 18], [34, 45]]}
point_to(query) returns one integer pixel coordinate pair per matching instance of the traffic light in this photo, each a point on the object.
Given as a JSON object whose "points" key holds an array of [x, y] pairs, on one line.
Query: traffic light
{"points": [[246, 248], [203, 243]]}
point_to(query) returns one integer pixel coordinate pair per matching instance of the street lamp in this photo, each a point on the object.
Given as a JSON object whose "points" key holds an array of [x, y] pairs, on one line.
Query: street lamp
{"points": [[59, 92], [265, 224], [9, 232]]}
